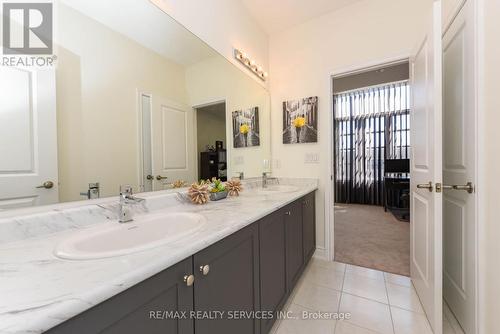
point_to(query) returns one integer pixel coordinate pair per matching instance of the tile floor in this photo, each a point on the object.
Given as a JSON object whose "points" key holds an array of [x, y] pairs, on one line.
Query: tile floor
{"points": [[378, 302]]}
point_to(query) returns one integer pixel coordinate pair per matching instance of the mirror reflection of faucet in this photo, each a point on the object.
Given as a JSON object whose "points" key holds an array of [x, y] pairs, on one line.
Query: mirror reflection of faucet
{"points": [[93, 192], [266, 179]]}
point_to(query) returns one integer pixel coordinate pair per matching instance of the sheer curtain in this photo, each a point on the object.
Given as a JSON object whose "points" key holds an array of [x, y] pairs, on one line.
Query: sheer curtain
{"points": [[371, 124]]}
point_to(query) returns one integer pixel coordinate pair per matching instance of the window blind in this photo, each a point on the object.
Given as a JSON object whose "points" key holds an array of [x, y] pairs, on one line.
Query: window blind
{"points": [[371, 124]]}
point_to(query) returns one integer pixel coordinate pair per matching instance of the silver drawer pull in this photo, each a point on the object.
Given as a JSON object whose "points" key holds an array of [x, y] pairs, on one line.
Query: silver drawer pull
{"points": [[205, 269], [189, 280]]}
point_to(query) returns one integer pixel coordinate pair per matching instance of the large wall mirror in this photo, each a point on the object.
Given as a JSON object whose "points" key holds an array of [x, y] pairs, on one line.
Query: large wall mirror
{"points": [[135, 99]]}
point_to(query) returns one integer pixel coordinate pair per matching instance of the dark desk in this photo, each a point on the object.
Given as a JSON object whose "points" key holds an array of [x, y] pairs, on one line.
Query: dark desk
{"points": [[397, 194]]}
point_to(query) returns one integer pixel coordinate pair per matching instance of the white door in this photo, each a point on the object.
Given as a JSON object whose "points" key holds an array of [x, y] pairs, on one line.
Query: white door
{"points": [[28, 138], [426, 171], [173, 143], [459, 145]]}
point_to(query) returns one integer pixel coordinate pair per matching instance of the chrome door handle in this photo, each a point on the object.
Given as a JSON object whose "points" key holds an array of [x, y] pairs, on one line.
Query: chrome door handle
{"points": [[46, 185], [427, 186], [149, 177], [468, 187], [189, 280], [159, 177]]}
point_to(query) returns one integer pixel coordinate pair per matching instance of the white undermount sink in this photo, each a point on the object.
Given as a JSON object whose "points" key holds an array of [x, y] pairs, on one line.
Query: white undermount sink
{"points": [[118, 239]]}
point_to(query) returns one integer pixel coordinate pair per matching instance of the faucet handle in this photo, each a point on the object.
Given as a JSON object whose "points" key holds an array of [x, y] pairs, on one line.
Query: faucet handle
{"points": [[125, 189]]}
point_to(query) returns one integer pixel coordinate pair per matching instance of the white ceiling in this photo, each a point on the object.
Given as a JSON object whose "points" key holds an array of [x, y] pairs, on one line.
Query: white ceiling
{"points": [[277, 15], [144, 23]]}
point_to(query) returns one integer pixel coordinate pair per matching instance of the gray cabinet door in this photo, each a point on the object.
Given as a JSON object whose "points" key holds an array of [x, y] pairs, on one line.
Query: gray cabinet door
{"points": [[273, 292], [309, 225], [141, 309], [294, 242], [231, 284]]}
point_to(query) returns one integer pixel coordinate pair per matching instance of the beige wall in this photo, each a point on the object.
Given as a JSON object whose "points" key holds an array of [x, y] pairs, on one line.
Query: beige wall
{"points": [[301, 59], [224, 25], [215, 79], [489, 155], [98, 75]]}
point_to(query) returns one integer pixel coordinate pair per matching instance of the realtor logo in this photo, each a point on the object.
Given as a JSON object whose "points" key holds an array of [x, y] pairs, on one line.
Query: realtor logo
{"points": [[27, 28]]}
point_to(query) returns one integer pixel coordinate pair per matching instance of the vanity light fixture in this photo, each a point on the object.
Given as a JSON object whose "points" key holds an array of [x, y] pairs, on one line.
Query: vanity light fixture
{"points": [[243, 58]]}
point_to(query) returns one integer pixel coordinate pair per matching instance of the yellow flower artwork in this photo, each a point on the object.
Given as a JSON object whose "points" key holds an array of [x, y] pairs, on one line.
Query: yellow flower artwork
{"points": [[299, 122], [244, 128]]}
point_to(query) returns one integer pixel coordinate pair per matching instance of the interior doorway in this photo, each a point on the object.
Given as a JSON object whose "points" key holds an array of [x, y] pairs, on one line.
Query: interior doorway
{"points": [[372, 152], [211, 141]]}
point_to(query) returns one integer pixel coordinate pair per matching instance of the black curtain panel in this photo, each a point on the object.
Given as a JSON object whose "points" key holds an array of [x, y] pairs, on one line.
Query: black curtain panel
{"points": [[371, 124]]}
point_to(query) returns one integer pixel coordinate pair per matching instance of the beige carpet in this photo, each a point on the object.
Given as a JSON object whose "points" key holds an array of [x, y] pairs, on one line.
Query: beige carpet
{"points": [[367, 236]]}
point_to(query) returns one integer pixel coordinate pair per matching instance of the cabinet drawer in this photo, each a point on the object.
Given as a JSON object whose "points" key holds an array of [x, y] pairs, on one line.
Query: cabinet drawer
{"points": [[130, 311]]}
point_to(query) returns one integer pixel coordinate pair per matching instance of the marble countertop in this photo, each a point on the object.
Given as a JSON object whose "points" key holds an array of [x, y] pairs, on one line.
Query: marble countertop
{"points": [[39, 291]]}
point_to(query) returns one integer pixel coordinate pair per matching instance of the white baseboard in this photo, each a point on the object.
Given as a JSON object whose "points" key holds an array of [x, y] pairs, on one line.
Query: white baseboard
{"points": [[321, 253]]}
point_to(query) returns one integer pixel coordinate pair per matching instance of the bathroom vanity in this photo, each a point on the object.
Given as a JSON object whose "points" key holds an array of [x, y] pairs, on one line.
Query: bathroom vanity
{"points": [[244, 262], [253, 269]]}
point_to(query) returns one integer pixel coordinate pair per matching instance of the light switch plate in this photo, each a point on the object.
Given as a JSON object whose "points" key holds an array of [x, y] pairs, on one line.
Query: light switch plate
{"points": [[311, 158], [277, 163]]}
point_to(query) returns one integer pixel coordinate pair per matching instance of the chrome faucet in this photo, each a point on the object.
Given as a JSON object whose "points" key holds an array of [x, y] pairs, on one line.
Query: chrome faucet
{"points": [[266, 178], [125, 215], [93, 192]]}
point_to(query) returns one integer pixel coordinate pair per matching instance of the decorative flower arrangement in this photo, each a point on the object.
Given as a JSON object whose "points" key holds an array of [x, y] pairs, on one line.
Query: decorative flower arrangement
{"points": [[244, 129], [217, 189], [215, 185], [199, 193], [213, 189], [234, 187], [178, 184]]}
